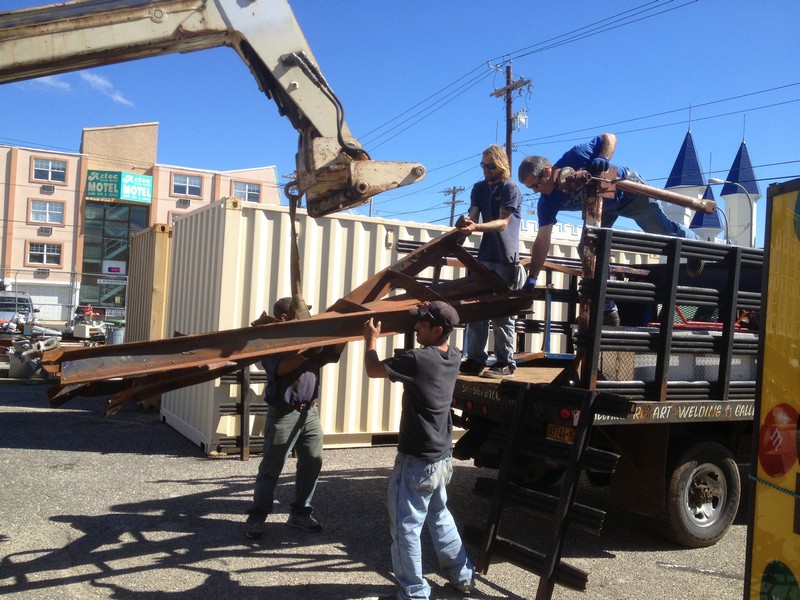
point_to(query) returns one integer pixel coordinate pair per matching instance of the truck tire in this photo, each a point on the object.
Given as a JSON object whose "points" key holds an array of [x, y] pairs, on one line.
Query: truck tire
{"points": [[539, 479], [702, 494]]}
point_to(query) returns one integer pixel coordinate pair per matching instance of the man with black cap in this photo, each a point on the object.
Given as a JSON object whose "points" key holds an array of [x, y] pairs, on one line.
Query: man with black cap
{"points": [[423, 467], [292, 424]]}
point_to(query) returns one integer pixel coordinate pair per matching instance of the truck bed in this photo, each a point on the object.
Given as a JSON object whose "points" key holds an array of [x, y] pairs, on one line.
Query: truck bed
{"points": [[690, 400]]}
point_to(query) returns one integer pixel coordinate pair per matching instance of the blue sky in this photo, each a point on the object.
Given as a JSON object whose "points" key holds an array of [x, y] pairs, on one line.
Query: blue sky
{"points": [[416, 79]]}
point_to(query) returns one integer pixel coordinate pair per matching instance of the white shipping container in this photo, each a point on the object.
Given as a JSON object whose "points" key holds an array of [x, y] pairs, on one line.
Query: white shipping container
{"points": [[231, 260]]}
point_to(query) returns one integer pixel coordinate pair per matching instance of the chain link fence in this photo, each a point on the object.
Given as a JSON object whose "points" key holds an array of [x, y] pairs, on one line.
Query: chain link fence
{"points": [[58, 294]]}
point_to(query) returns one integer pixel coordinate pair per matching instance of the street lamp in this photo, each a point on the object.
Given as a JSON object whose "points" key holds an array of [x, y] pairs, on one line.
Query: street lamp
{"points": [[718, 181], [727, 225]]}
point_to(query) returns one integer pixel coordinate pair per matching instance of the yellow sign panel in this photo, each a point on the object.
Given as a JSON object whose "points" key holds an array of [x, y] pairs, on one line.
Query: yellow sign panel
{"points": [[774, 549]]}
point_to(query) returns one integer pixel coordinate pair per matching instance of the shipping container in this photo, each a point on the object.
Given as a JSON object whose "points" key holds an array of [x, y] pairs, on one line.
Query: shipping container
{"points": [[230, 260]]}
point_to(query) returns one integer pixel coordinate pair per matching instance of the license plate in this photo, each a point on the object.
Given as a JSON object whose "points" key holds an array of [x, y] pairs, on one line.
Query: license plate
{"points": [[561, 433]]}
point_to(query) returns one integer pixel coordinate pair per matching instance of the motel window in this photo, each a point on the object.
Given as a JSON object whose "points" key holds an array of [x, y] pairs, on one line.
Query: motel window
{"points": [[249, 192], [187, 185], [43, 211], [46, 169], [44, 254]]}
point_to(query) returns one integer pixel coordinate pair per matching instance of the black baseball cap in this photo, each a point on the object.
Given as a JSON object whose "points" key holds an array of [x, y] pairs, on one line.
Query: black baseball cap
{"points": [[282, 306], [436, 312]]}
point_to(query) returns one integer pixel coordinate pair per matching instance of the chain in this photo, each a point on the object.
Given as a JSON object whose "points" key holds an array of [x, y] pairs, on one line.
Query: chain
{"points": [[772, 485]]}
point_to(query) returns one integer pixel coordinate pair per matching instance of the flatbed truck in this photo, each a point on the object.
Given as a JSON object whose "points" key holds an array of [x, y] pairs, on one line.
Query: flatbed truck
{"points": [[684, 357]]}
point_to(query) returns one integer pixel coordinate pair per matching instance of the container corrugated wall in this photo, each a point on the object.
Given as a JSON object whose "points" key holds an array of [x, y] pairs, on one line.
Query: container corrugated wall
{"points": [[231, 260], [148, 281]]}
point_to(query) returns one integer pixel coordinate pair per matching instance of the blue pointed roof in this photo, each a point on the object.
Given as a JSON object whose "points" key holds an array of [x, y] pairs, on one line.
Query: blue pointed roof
{"points": [[686, 170], [704, 221], [742, 172]]}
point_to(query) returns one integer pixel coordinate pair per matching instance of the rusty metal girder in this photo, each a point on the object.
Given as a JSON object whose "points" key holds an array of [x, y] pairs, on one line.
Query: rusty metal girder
{"points": [[142, 369]]}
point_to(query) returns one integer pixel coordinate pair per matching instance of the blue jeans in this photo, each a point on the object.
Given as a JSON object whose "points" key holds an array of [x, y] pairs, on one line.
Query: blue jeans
{"points": [[645, 211], [503, 327], [418, 495], [299, 431]]}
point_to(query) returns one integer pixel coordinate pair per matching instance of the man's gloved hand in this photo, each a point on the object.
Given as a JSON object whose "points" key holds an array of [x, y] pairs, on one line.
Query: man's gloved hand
{"points": [[597, 165], [530, 283], [312, 352]]}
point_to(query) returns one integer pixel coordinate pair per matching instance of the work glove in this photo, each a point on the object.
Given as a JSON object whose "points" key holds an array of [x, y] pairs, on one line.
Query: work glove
{"points": [[530, 283], [312, 352], [597, 165]]}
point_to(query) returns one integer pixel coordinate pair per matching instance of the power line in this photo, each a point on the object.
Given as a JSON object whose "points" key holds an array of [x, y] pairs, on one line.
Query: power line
{"points": [[604, 25], [674, 110], [558, 137], [622, 19], [663, 125], [422, 116]]}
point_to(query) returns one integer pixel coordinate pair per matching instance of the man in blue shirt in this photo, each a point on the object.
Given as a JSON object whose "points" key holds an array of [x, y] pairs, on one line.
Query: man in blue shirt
{"points": [[494, 211], [540, 175]]}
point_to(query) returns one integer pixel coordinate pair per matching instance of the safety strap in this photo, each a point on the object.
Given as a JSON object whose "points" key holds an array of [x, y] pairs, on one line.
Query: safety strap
{"points": [[299, 308]]}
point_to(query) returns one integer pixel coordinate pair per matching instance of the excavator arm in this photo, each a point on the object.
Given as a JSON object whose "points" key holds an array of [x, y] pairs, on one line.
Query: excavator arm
{"points": [[333, 170]]}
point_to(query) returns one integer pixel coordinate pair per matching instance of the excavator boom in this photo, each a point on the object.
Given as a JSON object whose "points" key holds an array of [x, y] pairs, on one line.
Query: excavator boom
{"points": [[333, 170]]}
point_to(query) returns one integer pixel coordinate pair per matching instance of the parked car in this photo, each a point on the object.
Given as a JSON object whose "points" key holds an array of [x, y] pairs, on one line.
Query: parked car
{"points": [[16, 308]]}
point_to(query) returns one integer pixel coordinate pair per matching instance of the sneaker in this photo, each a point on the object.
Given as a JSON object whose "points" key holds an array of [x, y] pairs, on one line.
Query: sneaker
{"points": [[499, 371], [694, 266], [611, 317], [463, 588], [254, 526], [471, 367], [304, 522]]}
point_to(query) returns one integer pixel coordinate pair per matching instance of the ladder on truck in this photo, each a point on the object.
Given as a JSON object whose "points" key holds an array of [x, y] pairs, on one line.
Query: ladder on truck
{"points": [[534, 401]]}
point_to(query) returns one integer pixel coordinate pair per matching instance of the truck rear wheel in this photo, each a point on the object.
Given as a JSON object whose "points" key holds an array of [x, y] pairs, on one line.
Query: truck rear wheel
{"points": [[702, 494]]}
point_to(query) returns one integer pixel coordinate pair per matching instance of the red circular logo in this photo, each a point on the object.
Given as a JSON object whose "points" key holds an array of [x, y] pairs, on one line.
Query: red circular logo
{"points": [[777, 440]]}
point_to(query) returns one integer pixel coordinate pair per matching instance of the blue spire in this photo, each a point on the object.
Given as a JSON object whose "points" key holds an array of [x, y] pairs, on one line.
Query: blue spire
{"points": [[741, 172], [686, 170], [707, 222], [704, 221]]}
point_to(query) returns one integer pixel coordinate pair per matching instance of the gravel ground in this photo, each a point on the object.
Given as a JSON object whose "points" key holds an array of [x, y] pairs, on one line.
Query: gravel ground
{"points": [[125, 507]]}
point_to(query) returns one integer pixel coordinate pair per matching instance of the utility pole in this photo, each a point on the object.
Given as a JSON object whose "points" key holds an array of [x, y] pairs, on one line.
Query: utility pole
{"points": [[453, 191], [506, 93]]}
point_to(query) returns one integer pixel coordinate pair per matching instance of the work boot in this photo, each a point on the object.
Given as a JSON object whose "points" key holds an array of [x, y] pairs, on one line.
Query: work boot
{"points": [[304, 522], [499, 371], [611, 318], [254, 526], [465, 589], [694, 266], [471, 367]]}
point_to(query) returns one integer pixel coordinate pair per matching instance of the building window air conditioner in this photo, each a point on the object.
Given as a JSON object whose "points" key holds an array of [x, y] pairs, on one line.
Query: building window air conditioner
{"points": [[47, 189], [41, 273], [183, 202], [45, 231]]}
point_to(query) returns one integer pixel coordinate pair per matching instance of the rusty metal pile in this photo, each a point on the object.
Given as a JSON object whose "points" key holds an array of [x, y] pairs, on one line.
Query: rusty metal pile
{"points": [[139, 370]]}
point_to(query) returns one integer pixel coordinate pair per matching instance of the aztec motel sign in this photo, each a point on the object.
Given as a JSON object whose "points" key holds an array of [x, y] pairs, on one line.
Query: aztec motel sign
{"points": [[119, 185]]}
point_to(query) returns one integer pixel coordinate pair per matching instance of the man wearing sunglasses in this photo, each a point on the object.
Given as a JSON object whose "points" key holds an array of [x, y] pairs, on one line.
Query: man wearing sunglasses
{"points": [[542, 176], [494, 211], [423, 467]]}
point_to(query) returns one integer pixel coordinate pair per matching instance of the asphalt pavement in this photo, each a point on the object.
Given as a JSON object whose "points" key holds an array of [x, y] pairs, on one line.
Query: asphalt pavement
{"points": [[125, 507]]}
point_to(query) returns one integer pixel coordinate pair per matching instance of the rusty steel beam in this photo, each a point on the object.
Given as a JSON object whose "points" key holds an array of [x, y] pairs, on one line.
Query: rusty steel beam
{"points": [[150, 382], [144, 369], [703, 205], [606, 185], [99, 363]]}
